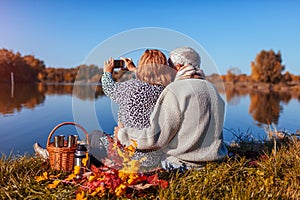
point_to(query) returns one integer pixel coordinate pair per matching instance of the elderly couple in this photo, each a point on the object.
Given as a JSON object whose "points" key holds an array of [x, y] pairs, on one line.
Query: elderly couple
{"points": [[178, 124]]}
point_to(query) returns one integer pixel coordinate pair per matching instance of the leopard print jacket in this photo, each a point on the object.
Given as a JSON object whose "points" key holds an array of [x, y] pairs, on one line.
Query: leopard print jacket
{"points": [[136, 100]]}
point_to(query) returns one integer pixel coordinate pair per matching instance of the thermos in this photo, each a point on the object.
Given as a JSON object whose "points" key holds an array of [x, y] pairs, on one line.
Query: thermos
{"points": [[80, 153]]}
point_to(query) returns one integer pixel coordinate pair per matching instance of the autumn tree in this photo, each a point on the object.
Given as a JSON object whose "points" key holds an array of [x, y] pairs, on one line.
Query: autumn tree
{"points": [[88, 73], [232, 74], [14, 63], [267, 67], [37, 66], [287, 77]]}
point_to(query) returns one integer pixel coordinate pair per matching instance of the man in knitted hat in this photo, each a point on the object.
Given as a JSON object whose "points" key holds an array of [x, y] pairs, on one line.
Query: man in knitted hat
{"points": [[187, 120]]}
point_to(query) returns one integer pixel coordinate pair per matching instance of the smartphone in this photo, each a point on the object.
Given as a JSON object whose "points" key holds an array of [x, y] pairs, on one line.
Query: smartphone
{"points": [[119, 63]]}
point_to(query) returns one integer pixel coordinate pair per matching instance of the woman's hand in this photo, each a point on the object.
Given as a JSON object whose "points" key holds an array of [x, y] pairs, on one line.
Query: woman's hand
{"points": [[109, 65], [129, 64]]}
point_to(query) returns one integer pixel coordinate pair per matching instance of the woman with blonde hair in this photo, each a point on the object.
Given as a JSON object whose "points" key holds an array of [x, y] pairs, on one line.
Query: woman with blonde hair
{"points": [[136, 97]]}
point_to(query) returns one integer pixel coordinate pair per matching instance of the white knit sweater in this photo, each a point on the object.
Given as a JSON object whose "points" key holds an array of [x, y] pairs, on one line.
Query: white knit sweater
{"points": [[186, 123]]}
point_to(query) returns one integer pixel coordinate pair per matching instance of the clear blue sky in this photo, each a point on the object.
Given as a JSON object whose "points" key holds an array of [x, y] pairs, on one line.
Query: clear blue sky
{"points": [[62, 33]]}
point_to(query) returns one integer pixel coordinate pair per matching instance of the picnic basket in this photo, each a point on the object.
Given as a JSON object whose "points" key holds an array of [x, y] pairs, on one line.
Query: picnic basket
{"points": [[62, 158]]}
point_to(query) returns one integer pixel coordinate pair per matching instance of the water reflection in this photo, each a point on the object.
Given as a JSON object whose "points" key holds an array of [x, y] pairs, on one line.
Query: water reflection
{"points": [[30, 95], [89, 92], [265, 106], [22, 95], [233, 95]]}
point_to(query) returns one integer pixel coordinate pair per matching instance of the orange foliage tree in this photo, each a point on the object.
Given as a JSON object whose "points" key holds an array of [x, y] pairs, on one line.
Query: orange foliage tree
{"points": [[267, 67], [24, 69], [14, 63]]}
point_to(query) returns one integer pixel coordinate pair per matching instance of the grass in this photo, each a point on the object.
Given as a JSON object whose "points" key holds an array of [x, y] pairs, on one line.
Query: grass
{"points": [[254, 170], [17, 180], [274, 177]]}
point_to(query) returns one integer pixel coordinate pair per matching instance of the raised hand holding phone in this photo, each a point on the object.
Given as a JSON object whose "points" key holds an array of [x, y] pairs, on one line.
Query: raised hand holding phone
{"points": [[109, 65], [129, 64]]}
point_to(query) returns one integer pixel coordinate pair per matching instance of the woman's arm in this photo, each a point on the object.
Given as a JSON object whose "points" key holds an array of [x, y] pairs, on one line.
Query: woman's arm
{"points": [[113, 89]]}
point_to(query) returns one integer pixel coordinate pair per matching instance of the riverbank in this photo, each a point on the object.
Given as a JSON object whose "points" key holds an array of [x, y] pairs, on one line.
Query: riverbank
{"points": [[253, 170], [291, 87]]}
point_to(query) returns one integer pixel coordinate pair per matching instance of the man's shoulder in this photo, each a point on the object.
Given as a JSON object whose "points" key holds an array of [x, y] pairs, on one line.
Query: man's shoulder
{"points": [[188, 82]]}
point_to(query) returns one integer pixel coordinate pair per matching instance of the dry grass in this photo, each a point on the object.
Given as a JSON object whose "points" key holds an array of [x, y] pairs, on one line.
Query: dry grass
{"points": [[269, 176], [255, 170]]}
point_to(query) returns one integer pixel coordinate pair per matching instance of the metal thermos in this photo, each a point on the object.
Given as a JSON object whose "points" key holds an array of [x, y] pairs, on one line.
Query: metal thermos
{"points": [[80, 153]]}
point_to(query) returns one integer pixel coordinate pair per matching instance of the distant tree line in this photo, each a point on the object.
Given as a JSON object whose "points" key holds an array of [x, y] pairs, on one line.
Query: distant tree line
{"points": [[30, 70], [82, 73], [266, 68]]}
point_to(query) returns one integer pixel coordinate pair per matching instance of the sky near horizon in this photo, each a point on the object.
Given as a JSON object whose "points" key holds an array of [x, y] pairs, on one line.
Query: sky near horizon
{"points": [[63, 33]]}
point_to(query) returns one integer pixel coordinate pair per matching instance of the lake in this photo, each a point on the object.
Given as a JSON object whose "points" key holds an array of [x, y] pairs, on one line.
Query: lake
{"points": [[28, 113]]}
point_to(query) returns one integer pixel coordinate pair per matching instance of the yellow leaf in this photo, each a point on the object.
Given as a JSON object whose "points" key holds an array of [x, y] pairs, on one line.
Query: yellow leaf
{"points": [[41, 178], [130, 181], [130, 149], [70, 177], [80, 196], [91, 178], [133, 176], [54, 184], [120, 190], [77, 170], [85, 160], [99, 190], [134, 143], [122, 175]]}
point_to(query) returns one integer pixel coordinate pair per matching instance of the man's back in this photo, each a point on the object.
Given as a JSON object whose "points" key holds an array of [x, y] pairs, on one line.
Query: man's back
{"points": [[199, 136]]}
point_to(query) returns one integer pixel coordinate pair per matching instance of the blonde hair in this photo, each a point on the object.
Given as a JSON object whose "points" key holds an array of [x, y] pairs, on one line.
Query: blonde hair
{"points": [[153, 69]]}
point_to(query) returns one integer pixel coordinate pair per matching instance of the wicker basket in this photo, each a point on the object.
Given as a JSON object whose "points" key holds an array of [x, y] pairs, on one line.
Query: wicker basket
{"points": [[62, 158]]}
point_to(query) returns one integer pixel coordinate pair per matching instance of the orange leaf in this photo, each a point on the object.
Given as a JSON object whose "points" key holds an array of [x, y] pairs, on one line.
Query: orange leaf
{"points": [[80, 196], [134, 143], [54, 184], [42, 178], [70, 177]]}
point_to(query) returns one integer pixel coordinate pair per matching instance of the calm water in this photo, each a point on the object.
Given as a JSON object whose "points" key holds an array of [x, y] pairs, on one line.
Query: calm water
{"points": [[28, 113]]}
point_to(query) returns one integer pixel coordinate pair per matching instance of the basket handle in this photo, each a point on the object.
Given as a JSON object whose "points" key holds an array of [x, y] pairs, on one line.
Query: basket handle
{"points": [[68, 123]]}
